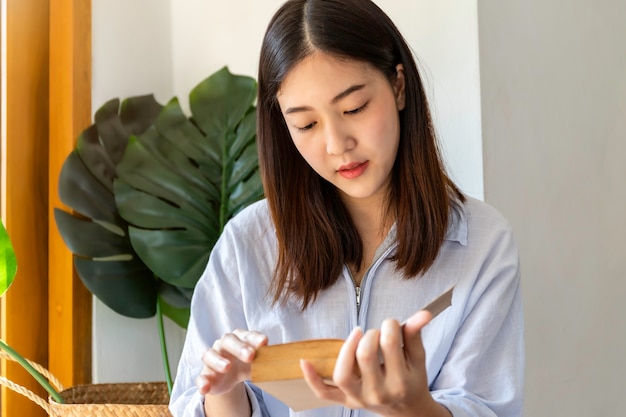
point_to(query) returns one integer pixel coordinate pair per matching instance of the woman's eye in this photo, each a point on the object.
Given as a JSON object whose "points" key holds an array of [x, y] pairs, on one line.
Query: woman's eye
{"points": [[305, 128], [357, 110]]}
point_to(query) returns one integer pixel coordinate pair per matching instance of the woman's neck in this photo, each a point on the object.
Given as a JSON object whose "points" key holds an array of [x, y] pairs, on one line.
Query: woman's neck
{"points": [[372, 222]]}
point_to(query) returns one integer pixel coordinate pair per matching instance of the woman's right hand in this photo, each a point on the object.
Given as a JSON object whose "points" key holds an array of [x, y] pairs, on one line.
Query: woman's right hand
{"points": [[227, 363]]}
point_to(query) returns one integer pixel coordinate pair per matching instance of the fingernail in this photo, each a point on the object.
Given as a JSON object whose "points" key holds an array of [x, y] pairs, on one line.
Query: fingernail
{"points": [[355, 332], [247, 352], [222, 364]]}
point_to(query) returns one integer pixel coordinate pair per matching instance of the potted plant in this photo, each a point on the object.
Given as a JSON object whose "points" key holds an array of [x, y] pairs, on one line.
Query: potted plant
{"points": [[151, 190]]}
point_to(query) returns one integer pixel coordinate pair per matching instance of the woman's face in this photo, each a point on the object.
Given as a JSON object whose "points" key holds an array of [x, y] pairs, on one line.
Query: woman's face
{"points": [[343, 118]]}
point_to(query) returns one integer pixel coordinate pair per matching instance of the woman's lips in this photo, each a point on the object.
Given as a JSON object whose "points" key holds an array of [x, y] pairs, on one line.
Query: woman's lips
{"points": [[353, 170]]}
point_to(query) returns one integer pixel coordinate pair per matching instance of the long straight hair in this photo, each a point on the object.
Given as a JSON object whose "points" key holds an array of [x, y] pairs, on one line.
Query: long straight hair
{"points": [[316, 235]]}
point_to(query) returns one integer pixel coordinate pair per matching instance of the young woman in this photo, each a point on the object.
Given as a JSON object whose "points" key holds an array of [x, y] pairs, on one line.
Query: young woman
{"points": [[361, 227]]}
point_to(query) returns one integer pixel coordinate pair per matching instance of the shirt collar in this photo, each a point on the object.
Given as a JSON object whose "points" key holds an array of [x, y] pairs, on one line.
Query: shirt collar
{"points": [[457, 225], [457, 231]]}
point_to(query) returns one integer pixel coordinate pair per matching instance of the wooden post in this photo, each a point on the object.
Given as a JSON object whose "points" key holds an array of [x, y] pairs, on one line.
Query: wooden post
{"points": [[70, 303], [25, 194], [46, 315]]}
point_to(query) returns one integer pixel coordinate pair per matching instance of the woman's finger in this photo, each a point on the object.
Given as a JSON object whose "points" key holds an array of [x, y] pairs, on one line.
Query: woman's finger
{"points": [[233, 345], [369, 361], [413, 348], [346, 371], [203, 384], [254, 338], [391, 346], [317, 384], [213, 360]]}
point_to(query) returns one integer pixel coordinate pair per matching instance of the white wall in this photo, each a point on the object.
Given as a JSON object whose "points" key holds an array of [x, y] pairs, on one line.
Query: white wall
{"points": [[170, 46], [208, 34], [131, 56], [553, 77]]}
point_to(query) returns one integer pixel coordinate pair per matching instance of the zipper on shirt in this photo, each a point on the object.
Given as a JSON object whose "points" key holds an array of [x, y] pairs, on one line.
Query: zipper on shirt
{"points": [[357, 292]]}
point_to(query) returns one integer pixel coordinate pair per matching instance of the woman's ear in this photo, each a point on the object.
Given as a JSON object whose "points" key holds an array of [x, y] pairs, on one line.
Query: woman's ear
{"points": [[398, 87]]}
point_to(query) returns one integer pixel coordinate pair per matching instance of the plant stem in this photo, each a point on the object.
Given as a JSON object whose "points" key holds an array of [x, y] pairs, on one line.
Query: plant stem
{"points": [[166, 362], [35, 374]]}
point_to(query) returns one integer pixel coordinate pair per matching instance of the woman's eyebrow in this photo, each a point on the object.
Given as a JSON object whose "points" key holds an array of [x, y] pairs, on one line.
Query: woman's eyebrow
{"points": [[335, 99], [347, 92]]}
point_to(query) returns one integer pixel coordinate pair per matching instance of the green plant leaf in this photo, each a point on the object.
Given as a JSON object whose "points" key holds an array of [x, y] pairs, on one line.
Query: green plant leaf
{"points": [[94, 231], [179, 316], [181, 180], [8, 261], [84, 192], [87, 238], [115, 282]]}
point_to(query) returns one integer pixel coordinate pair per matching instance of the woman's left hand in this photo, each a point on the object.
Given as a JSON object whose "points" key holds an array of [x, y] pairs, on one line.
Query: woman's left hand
{"points": [[396, 387]]}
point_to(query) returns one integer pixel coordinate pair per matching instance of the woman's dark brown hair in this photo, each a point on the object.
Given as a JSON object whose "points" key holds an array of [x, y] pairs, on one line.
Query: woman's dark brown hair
{"points": [[316, 235]]}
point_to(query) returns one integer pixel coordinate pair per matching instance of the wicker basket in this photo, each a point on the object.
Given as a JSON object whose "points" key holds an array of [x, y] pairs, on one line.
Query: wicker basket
{"points": [[147, 399]]}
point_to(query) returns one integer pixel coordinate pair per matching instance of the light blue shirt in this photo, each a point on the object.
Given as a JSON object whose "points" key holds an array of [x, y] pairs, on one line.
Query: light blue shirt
{"points": [[474, 349]]}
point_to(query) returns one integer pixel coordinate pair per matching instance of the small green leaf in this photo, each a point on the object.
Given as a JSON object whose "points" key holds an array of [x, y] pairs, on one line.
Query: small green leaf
{"points": [[8, 262]]}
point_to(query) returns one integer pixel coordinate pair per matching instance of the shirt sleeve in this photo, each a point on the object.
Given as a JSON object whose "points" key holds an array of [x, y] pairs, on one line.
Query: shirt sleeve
{"points": [[482, 375], [216, 309]]}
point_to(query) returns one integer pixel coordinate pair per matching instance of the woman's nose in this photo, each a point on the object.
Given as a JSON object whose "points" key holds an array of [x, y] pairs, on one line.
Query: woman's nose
{"points": [[338, 139]]}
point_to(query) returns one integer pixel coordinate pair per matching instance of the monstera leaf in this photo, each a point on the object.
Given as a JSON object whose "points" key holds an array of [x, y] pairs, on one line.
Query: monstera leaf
{"points": [[95, 232], [181, 180]]}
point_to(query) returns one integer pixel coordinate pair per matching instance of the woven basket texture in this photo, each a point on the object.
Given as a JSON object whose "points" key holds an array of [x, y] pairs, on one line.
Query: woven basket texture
{"points": [[146, 399]]}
